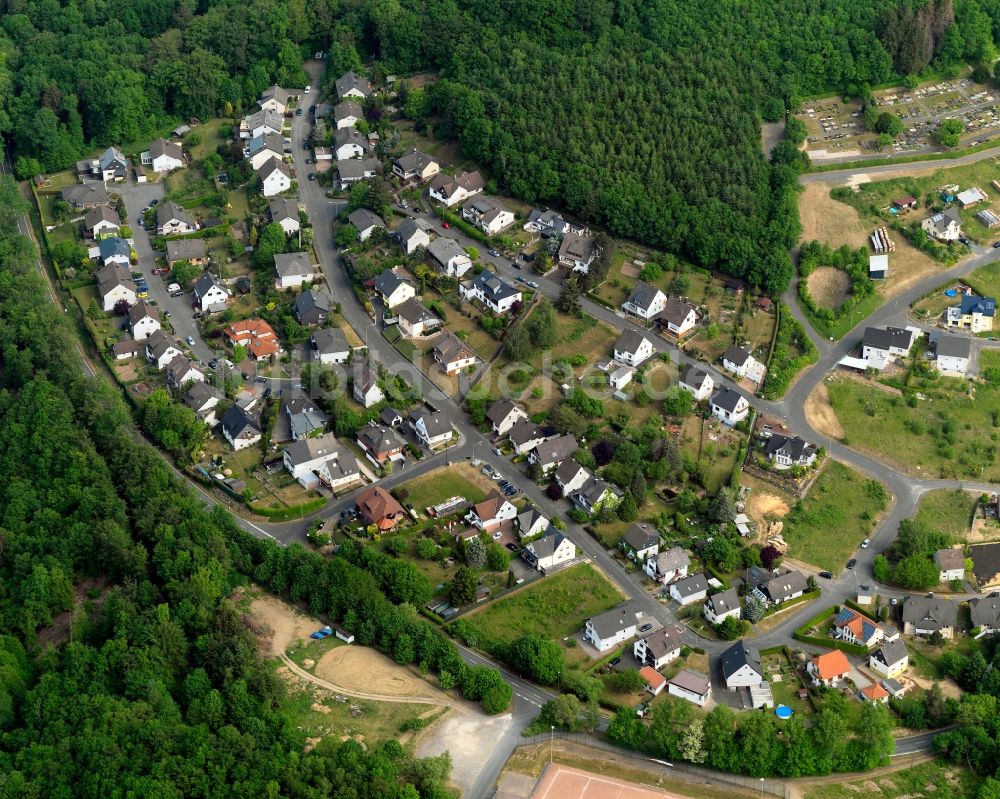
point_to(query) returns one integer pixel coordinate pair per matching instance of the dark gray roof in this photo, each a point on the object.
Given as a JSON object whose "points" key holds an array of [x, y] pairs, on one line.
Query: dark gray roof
{"points": [[724, 601], [204, 283], [407, 229], [236, 420], [954, 346], [436, 424], [595, 488], [556, 449], [738, 656], [614, 621], [349, 136], [169, 210], [493, 286], [291, 264], [795, 448], [272, 142], [114, 246], [694, 377], [200, 394], [414, 161], [661, 643], [547, 544], [523, 431], [352, 80], [450, 348], [363, 219], [387, 282], [101, 213], [736, 355], [142, 309], [891, 652], [413, 312], [641, 535], [691, 585], [929, 613], [673, 558], [629, 341], [643, 295], [676, 311], [185, 249], [985, 611], [274, 165], [568, 469], [89, 193], [356, 168], [727, 399], [308, 300], [500, 410], [785, 586], [985, 562], [348, 108], [283, 208], [377, 438], [894, 337], [330, 339]]}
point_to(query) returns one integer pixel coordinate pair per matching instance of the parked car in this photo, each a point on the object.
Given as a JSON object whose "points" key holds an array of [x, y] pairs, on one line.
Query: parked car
{"points": [[996, 245], [510, 491], [495, 253], [190, 341], [826, 575], [404, 205], [326, 632], [615, 662], [308, 161], [646, 628], [298, 112], [894, 601], [153, 202], [852, 563], [312, 176], [533, 284], [497, 535], [866, 543], [213, 363], [512, 547], [497, 451], [308, 89], [446, 225]]}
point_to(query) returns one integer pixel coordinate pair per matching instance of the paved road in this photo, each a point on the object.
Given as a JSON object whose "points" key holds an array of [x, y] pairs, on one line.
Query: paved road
{"points": [[841, 175]]}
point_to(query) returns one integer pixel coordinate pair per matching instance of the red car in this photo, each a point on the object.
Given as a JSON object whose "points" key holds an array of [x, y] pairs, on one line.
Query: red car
{"points": [[446, 225]]}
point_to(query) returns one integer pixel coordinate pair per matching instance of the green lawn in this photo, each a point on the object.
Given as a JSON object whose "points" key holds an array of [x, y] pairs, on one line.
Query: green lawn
{"points": [[946, 433], [554, 607], [835, 516], [933, 780], [985, 281], [949, 511], [838, 328], [452, 481]]}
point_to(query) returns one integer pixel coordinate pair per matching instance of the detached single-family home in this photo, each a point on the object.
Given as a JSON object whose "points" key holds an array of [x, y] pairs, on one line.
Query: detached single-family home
{"points": [[667, 566], [260, 122], [531, 521], [655, 682], [285, 211], [503, 415], [449, 257], [786, 452], [354, 170], [305, 458], [728, 406], [239, 428], [276, 99], [613, 627], [412, 235], [659, 647], [160, 349], [577, 251], [944, 226], [163, 156], [452, 354], [487, 214], [304, 416], [829, 668], [985, 613], [693, 686], [275, 177], [293, 269], [641, 540], [114, 285], [377, 506], [209, 294], [678, 317], [549, 454], [620, 377], [723, 605], [348, 143], [432, 429], [451, 190], [874, 693], [890, 660], [698, 382], [781, 588], [347, 114], [986, 564], [491, 512], [596, 494], [366, 388], [951, 563], [549, 551], [953, 354], [256, 336], [180, 371], [329, 345], [203, 398], [851, 626], [415, 165], [101, 222], [85, 195], [312, 307], [171, 219], [571, 476], [742, 364], [525, 436], [975, 314], [143, 320], [741, 667], [547, 223], [113, 165], [415, 320], [366, 222], [393, 289], [263, 148], [114, 251], [351, 84], [926, 615], [632, 348], [190, 250], [646, 301], [693, 588], [380, 443], [879, 347], [492, 291]]}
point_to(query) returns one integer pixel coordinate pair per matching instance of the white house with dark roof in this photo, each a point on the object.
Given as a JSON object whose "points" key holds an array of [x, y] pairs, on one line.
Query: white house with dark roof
{"points": [[678, 317], [366, 222], [101, 221], [393, 289], [181, 371], [741, 363], [276, 99], [698, 382], [503, 414], [551, 550], [975, 314], [690, 589], [114, 285], [531, 521], [304, 417], [985, 614], [646, 301], [114, 250], [952, 355], [781, 588], [487, 214], [723, 605], [660, 647], [596, 494], [452, 354], [571, 476], [259, 122], [549, 454], [667, 566], [415, 165], [366, 389], [354, 170], [641, 541], [191, 250], [546, 223], [160, 349], [351, 84], [312, 307], [741, 667], [415, 320], [412, 235], [113, 165], [263, 148], [306, 457], [453, 189], [786, 452], [329, 345], [449, 257], [577, 251], [879, 347], [347, 114], [613, 627], [348, 143], [85, 195], [492, 291], [729, 407], [890, 660], [209, 294], [172, 219], [525, 435], [143, 320], [163, 156], [275, 177], [943, 226], [203, 399], [239, 428], [432, 429], [951, 564], [632, 348], [293, 270], [926, 615]]}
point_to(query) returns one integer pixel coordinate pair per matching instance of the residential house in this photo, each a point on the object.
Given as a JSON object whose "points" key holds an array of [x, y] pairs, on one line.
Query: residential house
{"points": [[549, 454], [351, 84], [180, 371], [531, 521], [336, 473], [874, 693], [84, 196], [926, 615], [256, 336], [347, 114], [239, 428], [452, 354], [209, 294], [451, 190], [659, 647], [263, 148], [577, 251], [879, 347], [503, 414], [525, 435], [985, 613], [449, 256], [203, 398], [488, 215], [114, 250], [293, 269], [304, 417], [953, 354], [171, 219], [366, 222], [143, 320], [492, 291], [667, 566], [641, 540], [160, 349], [415, 320], [285, 211], [393, 289], [613, 627], [786, 452], [951, 563], [986, 564], [348, 143], [595, 494], [432, 429], [329, 345], [101, 221], [698, 382], [114, 285], [781, 588], [412, 235], [632, 348], [975, 314], [741, 667], [113, 165], [275, 177], [646, 301], [190, 250], [890, 660], [380, 443], [163, 156], [655, 682], [354, 170], [723, 605], [829, 668], [741, 363], [943, 226], [366, 388], [693, 588], [377, 506], [549, 551], [854, 628], [491, 512], [415, 165], [276, 99], [678, 317], [260, 122], [728, 406], [571, 476], [693, 686], [312, 307], [547, 223], [895, 688]]}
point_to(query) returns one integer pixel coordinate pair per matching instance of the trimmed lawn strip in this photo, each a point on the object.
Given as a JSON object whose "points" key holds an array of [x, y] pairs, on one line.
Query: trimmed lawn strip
{"points": [[449, 481]]}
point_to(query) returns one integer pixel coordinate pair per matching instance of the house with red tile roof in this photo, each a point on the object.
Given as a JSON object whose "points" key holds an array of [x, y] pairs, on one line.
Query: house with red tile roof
{"points": [[829, 668]]}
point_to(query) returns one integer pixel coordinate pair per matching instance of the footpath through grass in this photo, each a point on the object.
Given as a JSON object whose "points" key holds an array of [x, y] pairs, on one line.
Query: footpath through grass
{"points": [[933, 780]]}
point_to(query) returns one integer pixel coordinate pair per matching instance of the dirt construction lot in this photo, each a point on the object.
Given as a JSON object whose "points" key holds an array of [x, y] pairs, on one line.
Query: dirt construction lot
{"points": [[819, 413], [360, 669], [828, 287], [281, 624]]}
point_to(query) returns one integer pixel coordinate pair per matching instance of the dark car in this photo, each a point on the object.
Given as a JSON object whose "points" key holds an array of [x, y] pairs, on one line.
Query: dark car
{"points": [[153, 202], [312, 176], [852, 563], [646, 628], [308, 161], [298, 112], [996, 245], [512, 547], [826, 575], [615, 662]]}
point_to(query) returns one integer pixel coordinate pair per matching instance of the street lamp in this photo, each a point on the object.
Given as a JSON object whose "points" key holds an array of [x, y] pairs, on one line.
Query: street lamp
{"points": [[761, 788], [552, 736]]}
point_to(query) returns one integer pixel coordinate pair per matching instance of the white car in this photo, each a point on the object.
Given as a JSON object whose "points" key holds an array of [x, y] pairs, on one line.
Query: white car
{"points": [[190, 341], [497, 535], [308, 89], [865, 543]]}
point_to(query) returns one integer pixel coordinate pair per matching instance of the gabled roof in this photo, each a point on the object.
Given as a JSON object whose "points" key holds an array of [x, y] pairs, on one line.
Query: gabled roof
{"points": [[414, 161], [556, 449], [348, 108], [293, 264], [169, 211], [641, 535], [727, 399], [677, 311], [415, 313], [303, 415], [831, 664], [379, 507], [310, 299], [277, 93], [948, 559], [236, 420], [356, 168], [529, 517], [954, 346], [891, 652], [436, 424], [449, 185], [629, 341], [141, 310], [273, 165], [256, 335], [785, 586], [112, 246], [409, 228], [365, 377], [987, 306], [577, 247], [387, 281], [261, 118], [616, 620], [200, 394], [794, 447], [672, 559], [89, 193], [985, 611], [738, 656], [206, 283], [644, 295], [110, 277], [524, 431], [493, 286], [443, 249], [329, 339], [694, 377], [891, 337], [690, 585], [363, 219], [178, 369], [985, 562], [101, 213], [692, 681], [282, 208], [501, 409], [111, 157], [378, 439], [349, 136], [488, 508], [450, 348], [929, 613], [595, 488], [545, 546], [736, 355], [185, 249], [271, 142], [661, 643], [352, 80], [724, 601], [568, 469], [863, 628]]}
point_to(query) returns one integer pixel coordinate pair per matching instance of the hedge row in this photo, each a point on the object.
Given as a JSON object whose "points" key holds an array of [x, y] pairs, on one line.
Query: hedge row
{"points": [[293, 512]]}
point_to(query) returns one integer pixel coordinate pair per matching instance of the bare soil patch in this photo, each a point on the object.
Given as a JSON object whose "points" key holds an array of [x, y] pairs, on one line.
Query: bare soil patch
{"points": [[829, 286], [949, 688], [820, 414], [469, 738], [280, 624], [761, 505], [362, 669]]}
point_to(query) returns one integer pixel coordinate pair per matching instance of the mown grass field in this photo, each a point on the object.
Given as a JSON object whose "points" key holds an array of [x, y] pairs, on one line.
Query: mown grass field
{"points": [[441, 484], [948, 510]]}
